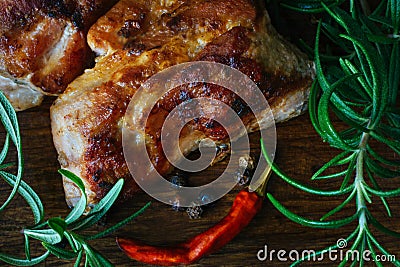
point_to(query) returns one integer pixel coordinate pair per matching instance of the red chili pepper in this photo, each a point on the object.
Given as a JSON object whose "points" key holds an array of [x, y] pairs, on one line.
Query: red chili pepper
{"points": [[244, 208]]}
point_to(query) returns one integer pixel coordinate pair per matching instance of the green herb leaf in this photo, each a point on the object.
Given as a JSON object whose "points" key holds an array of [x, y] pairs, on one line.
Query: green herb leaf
{"points": [[9, 119], [299, 185], [4, 151], [27, 248], [95, 259], [100, 208], [45, 235], [303, 221], [73, 242], [59, 252], [23, 262], [58, 225], [333, 162], [340, 207], [119, 225], [78, 259], [80, 207]]}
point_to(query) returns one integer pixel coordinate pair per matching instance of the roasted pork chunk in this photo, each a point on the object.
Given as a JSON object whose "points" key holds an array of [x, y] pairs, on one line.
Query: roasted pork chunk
{"points": [[43, 46], [137, 39]]}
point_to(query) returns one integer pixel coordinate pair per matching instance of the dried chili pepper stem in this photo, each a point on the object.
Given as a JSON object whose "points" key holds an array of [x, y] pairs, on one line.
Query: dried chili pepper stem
{"points": [[245, 206]]}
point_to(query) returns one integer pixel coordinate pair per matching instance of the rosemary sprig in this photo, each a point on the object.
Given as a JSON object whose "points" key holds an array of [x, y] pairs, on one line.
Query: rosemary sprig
{"points": [[54, 232], [361, 89]]}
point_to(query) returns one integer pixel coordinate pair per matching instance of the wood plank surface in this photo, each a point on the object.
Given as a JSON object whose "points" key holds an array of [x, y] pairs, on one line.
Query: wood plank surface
{"points": [[300, 152]]}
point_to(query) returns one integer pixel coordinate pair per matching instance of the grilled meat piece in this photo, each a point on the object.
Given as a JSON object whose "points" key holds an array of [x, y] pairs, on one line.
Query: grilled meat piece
{"points": [[137, 39], [43, 46]]}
